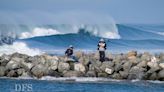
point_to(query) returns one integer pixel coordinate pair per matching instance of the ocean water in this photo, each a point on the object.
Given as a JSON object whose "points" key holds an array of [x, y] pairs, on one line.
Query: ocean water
{"points": [[31, 85], [54, 39]]}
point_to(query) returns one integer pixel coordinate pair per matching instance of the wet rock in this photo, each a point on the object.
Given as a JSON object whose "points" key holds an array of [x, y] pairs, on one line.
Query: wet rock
{"points": [[12, 73], [2, 71], [102, 75], [73, 74], [124, 74], [39, 70], [91, 74], [161, 75], [136, 73], [54, 73], [116, 76], [62, 66], [79, 67], [20, 71], [153, 76]]}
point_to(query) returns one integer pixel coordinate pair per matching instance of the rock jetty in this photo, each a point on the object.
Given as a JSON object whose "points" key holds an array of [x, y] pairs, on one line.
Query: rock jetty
{"points": [[131, 65]]}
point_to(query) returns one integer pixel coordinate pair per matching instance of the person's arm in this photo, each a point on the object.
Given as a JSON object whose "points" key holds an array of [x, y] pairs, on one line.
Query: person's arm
{"points": [[105, 46], [98, 46], [66, 52]]}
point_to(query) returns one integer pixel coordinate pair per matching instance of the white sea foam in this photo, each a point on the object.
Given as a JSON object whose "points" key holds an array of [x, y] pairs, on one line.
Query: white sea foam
{"points": [[79, 79], [38, 32], [19, 47]]}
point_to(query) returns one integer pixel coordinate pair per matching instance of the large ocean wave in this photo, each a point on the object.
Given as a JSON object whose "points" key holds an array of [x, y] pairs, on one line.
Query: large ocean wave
{"points": [[19, 47]]}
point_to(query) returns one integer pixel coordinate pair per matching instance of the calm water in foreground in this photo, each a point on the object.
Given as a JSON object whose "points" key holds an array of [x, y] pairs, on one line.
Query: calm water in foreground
{"points": [[29, 85]]}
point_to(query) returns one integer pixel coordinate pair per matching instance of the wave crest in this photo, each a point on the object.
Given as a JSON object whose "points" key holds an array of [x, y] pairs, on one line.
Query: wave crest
{"points": [[19, 47], [38, 32]]}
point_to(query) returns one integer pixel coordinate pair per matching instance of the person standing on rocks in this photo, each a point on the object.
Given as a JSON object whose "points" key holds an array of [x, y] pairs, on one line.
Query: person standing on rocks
{"points": [[69, 51], [101, 48]]}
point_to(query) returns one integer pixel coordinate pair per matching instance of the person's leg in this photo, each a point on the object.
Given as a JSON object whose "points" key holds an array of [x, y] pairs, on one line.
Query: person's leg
{"points": [[101, 55]]}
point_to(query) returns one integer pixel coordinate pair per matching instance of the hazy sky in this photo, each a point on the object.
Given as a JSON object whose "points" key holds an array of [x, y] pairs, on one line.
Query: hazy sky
{"points": [[122, 11]]}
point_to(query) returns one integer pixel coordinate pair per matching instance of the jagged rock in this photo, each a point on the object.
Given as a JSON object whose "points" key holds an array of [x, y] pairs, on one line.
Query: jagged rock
{"points": [[152, 64], [84, 60], [106, 64], [51, 62], [39, 70], [116, 76], [132, 53], [62, 66], [73, 74], [2, 71], [118, 66], [146, 56], [161, 74], [79, 54], [11, 65], [153, 67], [95, 66], [134, 61], [4, 59], [153, 76], [79, 67], [136, 73], [161, 65], [20, 71], [102, 75], [12, 73], [124, 74], [127, 66], [27, 66], [91, 74], [161, 56], [142, 64], [37, 60], [53, 73], [18, 55]]}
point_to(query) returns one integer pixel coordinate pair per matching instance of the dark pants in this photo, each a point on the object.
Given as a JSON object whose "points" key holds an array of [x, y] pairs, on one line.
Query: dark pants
{"points": [[102, 55]]}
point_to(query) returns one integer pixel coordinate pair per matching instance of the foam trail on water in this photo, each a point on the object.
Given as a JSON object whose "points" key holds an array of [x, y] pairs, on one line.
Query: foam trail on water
{"points": [[19, 47]]}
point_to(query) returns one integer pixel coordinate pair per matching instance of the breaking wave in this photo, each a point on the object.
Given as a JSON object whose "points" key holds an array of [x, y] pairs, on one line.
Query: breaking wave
{"points": [[19, 47], [38, 32]]}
